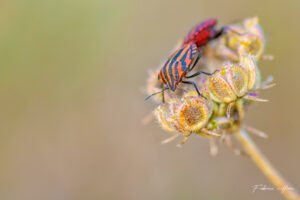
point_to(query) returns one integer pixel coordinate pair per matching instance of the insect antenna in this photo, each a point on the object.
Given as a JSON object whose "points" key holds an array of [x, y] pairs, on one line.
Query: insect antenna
{"points": [[148, 97], [196, 61]]}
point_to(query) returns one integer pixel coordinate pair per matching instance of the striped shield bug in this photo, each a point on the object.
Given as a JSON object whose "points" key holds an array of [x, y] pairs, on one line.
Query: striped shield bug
{"points": [[204, 32], [175, 69]]}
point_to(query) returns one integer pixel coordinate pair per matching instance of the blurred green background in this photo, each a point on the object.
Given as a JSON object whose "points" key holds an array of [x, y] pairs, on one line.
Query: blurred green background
{"points": [[71, 84]]}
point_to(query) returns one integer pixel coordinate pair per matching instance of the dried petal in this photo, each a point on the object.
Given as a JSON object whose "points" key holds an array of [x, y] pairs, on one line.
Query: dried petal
{"points": [[254, 78], [254, 97], [207, 133]]}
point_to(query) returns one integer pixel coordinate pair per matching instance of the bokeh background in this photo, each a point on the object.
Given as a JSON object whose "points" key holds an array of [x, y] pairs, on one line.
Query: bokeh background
{"points": [[71, 101]]}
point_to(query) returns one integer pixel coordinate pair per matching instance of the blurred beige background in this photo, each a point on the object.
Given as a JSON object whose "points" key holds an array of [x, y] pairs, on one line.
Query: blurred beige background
{"points": [[71, 78]]}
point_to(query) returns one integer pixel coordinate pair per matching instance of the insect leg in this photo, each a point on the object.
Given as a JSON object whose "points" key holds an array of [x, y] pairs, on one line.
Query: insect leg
{"points": [[224, 29], [163, 96], [219, 33], [148, 97], [195, 86], [196, 61], [201, 72], [234, 31]]}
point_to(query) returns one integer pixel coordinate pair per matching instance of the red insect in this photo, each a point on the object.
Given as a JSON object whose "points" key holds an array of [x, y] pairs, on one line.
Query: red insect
{"points": [[176, 67], [181, 61], [204, 32]]}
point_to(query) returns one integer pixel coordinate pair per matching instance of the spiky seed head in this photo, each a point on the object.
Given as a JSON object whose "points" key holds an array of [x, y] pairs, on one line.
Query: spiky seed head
{"points": [[193, 112], [228, 91]]}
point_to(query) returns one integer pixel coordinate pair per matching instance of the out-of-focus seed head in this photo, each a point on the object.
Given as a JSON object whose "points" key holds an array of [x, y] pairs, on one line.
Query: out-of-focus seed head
{"points": [[252, 45], [252, 25], [246, 44], [243, 39], [193, 112], [163, 117]]}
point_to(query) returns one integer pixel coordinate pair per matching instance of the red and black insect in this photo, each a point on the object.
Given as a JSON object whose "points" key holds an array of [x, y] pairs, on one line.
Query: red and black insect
{"points": [[202, 33], [176, 67], [181, 61]]}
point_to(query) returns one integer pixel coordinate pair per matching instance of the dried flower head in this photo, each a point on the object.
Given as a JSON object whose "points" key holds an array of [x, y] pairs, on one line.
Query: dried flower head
{"points": [[242, 39], [188, 115], [217, 109], [193, 112], [226, 92], [234, 80]]}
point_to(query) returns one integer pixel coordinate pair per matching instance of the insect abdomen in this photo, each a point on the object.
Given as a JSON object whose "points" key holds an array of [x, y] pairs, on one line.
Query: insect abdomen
{"points": [[177, 66], [202, 33]]}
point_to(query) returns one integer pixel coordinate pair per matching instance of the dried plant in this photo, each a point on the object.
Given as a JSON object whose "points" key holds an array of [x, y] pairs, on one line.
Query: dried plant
{"points": [[228, 94]]}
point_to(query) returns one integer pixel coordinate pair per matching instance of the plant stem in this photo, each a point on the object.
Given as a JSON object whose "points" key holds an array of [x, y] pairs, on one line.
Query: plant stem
{"points": [[265, 166]]}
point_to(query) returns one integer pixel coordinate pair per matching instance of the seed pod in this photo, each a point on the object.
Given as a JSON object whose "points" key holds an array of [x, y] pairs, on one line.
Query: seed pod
{"points": [[219, 89], [237, 77], [249, 64], [228, 84], [193, 112]]}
